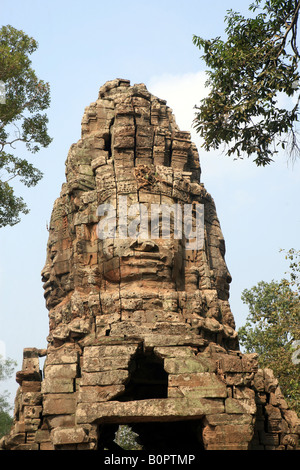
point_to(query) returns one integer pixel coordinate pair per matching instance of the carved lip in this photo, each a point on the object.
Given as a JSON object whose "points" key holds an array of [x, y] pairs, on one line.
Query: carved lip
{"points": [[144, 256], [47, 286]]}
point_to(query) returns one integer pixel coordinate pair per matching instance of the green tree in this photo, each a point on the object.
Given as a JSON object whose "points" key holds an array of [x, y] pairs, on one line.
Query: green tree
{"points": [[127, 439], [248, 71], [272, 328], [23, 98], [6, 371]]}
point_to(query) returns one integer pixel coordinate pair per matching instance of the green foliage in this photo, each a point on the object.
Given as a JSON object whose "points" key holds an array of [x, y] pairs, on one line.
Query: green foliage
{"points": [[273, 326], [6, 371], [257, 62], [127, 439], [5, 422], [21, 119], [6, 368]]}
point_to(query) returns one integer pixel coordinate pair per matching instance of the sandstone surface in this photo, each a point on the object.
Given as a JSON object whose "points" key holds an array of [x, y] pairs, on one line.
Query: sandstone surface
{"points": [[140, 327]]}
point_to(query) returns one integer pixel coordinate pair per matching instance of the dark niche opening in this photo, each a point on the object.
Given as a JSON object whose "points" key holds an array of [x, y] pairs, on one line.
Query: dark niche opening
{"points": [[108, 139], [148, 379], [167, 436], [177, 436]]}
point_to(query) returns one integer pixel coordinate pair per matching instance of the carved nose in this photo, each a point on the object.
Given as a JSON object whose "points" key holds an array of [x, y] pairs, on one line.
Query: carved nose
{"points": [[45, 274], [144, 245]]}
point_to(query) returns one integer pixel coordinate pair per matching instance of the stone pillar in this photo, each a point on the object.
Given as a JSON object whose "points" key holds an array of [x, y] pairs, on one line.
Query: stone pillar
{"points": [[28, 403], [60, 390]]}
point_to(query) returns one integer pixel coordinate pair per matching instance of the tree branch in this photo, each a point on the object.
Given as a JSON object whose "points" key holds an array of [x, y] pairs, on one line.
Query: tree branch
{"points": [[292, 26]]}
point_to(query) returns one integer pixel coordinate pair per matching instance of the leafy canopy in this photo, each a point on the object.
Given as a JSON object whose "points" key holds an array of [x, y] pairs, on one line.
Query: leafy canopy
{"points": [[6, 371], [257, 63], [23, 99], [273, 328]]}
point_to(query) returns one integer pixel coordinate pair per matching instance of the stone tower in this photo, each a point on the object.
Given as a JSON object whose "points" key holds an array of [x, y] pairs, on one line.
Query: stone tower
{"points": [[140, 327]]}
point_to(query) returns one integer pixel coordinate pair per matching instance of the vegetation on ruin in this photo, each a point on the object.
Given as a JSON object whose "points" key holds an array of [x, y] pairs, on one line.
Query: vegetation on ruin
{"points": [[6, 371], [273, 328], [127, 439], [23, 125], [253, 79]]}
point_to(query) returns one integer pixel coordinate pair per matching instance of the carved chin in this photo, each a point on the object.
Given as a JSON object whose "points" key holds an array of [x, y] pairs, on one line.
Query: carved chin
{"points": [[53, 296], [222, 288]]}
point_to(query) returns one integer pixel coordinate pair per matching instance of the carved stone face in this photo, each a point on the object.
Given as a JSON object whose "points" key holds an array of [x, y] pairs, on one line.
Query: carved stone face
{"points": [[131, 149], [57, 273], [144, 259], [139, 252]]}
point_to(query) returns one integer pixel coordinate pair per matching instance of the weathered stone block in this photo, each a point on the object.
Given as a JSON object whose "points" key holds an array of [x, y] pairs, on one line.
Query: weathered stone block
{"points": [[230, 363], [271, 383], [243, 392], [152, 340], [199, 384], [69, 436], [190, 365], [28, 374], [61, 421], [62, 356], [224, 435], [273, 412], [274, 425], [268, 439], [94, 364], [277, 399], [114, 377], [46, 446], [100, 160], [242, 406], [32, 412], [31, 424], [258, 381], [180, 351], [97, 393], [222, 446], [19, 427], [57, 385], [292, 419], [59, 404], [226, 418], [250, 362], [26, 447], [234, 379], [32, 398], [66, 371], [42, 435], [31, 386], [110, 351]]}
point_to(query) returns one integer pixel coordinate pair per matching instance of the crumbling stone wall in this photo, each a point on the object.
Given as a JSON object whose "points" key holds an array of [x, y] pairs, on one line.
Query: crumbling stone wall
{"points": [[140, 330], [235, 405]]}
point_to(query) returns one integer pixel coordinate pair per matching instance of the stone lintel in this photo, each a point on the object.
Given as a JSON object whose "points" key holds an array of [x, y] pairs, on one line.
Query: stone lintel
{"points": [[171, 409]]}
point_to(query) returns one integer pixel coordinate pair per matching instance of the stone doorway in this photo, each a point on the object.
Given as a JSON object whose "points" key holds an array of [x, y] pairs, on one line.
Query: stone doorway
{"points": [[162, 436]]}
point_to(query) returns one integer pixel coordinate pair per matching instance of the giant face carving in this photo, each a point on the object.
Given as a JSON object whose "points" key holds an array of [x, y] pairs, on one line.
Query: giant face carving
{"points": [[133, 159]]}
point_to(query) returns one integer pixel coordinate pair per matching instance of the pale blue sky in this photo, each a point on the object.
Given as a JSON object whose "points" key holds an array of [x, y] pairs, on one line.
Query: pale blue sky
{"points": [[81, 46]]}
